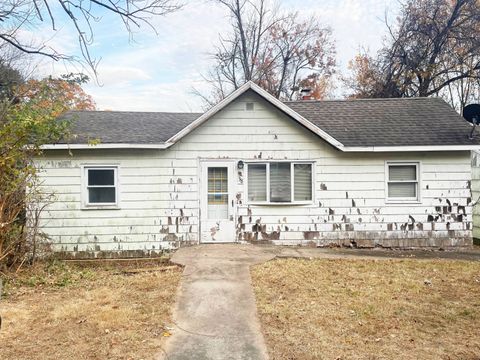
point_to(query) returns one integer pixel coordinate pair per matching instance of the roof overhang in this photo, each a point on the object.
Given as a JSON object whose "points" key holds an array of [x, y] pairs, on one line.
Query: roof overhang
{"points": [[410, 148], [103, 146]]}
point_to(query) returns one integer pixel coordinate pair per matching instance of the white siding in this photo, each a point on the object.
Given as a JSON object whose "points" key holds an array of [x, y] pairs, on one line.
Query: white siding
{"points": [[159, 191], [476, 194]]}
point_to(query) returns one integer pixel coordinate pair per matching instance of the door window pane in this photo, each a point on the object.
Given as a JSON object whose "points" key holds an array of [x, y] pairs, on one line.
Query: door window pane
{"points": [[217, 194], [280, 182], [302, 180], [257, 182], [215, 199], [217, 179]]}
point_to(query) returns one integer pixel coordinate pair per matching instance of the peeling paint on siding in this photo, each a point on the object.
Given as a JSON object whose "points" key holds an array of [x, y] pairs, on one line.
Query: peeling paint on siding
{"points": [[160, 205]]}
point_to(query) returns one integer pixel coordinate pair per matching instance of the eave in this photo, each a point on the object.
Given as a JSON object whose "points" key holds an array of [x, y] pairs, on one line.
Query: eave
{"points": [[103, 146], [410, 148]]}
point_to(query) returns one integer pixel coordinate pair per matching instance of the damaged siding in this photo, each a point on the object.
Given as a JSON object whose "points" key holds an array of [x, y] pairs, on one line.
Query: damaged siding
{"points": [[351, 210], [476, 194], [159, 192], [158, 204]]}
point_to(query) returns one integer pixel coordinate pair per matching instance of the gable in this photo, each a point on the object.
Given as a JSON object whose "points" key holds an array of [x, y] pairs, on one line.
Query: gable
{"points": [[250, 86], [236, 128]]}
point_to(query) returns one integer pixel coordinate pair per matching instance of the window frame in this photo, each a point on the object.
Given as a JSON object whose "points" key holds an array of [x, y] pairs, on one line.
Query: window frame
{"points": [[85, 193], [292, 182], [403, 200]]}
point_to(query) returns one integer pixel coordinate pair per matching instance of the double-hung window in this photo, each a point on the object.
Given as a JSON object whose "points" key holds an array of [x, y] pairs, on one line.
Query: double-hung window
{"points": [[100, 186], [402, 181], [280, 182]]}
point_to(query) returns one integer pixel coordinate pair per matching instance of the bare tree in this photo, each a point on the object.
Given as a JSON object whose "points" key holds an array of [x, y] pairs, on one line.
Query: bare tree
{"points": [[432, 50], [463, 91], [280, 52], [18, 15]]}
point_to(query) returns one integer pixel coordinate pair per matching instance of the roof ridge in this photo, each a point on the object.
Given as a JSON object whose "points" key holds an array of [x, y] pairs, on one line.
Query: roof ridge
{"points": [[366, 99], [136, 112]]}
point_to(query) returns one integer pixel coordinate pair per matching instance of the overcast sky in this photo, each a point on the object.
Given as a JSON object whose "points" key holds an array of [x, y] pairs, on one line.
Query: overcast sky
{"points": [[158, 72]]}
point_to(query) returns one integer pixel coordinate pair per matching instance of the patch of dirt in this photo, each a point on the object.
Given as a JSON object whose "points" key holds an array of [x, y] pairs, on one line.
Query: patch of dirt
{"points": [[89, 311], [369, 309]]}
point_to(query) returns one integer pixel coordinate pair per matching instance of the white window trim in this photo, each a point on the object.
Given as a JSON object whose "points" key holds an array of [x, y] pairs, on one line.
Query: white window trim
{"points": [[84, 183], [405, 200], [292, 189]]}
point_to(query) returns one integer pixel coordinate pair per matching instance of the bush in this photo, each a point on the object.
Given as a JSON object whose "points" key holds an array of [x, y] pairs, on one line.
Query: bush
{"points": [[28, 120]]}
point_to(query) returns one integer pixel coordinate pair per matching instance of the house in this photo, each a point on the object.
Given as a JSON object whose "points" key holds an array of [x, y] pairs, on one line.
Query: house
{"points": [[390, 173]]}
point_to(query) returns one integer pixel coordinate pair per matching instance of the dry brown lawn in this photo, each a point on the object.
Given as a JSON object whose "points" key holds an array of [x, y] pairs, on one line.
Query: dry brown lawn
{"points": [[59, 311], [369, 309]]}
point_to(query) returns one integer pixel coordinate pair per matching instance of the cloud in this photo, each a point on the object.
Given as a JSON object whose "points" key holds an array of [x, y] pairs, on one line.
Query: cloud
{"points": [[158, 72], [355, 24], [114, 75], [148, 97]]}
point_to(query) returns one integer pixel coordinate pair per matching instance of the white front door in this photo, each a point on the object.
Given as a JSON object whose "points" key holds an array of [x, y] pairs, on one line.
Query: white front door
{"points": [[217, 216]]}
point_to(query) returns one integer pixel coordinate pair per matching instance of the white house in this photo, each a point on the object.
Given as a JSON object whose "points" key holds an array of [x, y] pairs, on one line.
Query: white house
{"points": [[385, 172]]}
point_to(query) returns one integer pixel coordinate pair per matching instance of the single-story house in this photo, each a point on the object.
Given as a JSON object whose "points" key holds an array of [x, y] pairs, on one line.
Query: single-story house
{"points": [[390, 173]]}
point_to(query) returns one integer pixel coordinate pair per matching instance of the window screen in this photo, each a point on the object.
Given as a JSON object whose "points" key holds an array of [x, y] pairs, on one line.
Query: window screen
{"points": [[101, 186]]}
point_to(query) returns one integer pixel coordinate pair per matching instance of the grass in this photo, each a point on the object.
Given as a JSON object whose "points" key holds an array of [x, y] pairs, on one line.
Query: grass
{"points": [[367, 309], [61, 311]]}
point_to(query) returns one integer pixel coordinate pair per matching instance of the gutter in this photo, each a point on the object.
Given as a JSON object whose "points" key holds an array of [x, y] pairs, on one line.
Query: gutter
{"points": [[103, 146], [341, 148], [410, 148]]}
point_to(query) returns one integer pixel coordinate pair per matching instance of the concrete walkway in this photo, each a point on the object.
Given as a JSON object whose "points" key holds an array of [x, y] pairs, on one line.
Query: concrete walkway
{"points": [[215, 315]]}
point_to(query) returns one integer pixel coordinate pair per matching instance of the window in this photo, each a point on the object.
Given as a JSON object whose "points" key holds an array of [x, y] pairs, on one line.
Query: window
{"points": [[257, 182], [217, 193], [101, 185], [402, 181], [279, 182]]}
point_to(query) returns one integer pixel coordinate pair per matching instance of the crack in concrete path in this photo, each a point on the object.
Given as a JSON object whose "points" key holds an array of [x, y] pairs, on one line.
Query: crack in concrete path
{"points": [[215, 314]]}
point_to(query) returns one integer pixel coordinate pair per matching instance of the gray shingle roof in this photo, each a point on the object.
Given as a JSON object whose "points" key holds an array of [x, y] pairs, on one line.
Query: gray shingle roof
{"points": [[388, 122], [119, 127], [354, 123]]}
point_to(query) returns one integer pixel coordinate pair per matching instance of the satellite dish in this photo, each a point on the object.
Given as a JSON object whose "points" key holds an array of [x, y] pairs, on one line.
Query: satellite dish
{"points": [[471, 113]]}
